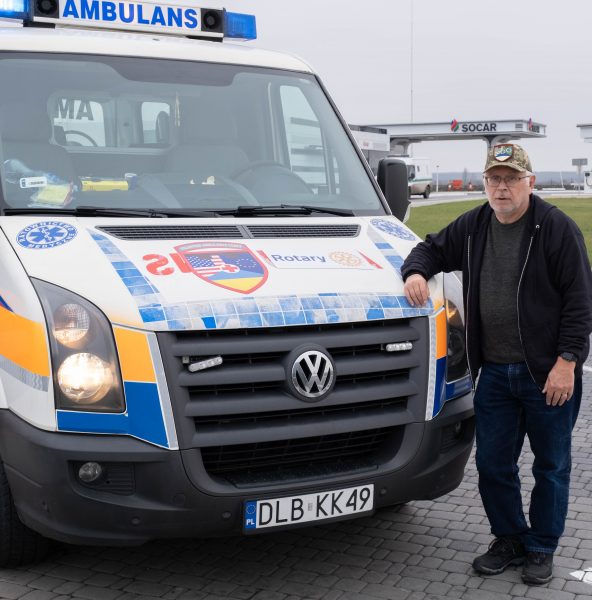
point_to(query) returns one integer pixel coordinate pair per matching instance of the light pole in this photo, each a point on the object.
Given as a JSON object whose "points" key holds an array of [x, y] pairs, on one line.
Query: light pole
{"points": [[437, 180], [411, 63]]}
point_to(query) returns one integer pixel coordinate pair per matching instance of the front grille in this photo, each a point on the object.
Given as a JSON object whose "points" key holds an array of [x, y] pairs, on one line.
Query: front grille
{"points": [[271, 417], [299, 459], [245, 405]]}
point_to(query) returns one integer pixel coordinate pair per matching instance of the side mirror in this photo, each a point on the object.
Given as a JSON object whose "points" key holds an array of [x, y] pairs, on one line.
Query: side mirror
{"points": [[411, 176], [392, 179]]}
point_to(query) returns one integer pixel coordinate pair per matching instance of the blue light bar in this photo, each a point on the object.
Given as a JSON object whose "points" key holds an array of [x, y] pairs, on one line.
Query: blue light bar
{"points": [[14, 9], [239, 26]]}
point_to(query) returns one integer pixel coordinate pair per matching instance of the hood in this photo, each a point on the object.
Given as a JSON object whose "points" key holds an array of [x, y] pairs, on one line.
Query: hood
{"points": [[223, 273]]}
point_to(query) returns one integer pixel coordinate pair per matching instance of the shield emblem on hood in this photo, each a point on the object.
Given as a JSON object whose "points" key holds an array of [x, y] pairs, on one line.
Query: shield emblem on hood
{"points": [[226, 264]]}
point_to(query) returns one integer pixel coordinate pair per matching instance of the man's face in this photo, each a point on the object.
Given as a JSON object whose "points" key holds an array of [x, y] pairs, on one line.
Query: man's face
{"points": [[510, 198]]}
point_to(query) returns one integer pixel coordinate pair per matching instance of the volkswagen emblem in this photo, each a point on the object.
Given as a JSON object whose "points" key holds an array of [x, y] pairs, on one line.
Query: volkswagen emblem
{"points": [[313, 374]]}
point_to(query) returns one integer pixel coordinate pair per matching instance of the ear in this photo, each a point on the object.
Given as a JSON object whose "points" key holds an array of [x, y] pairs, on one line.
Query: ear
{"points": [[531, 182]]}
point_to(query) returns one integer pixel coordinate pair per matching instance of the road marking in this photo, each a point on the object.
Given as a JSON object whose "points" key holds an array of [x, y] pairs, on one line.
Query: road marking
{"points": [[584, 576]]}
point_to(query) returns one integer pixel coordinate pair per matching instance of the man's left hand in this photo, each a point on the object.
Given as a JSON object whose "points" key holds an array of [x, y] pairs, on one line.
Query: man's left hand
{"points": [[560, 382]]}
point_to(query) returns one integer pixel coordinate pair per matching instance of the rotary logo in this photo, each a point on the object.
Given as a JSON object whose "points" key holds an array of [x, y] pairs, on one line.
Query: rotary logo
{"points": [[345, 259]]}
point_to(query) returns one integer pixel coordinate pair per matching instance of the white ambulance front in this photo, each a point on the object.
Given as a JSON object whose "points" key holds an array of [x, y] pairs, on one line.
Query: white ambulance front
{"points": [[202, 324]]}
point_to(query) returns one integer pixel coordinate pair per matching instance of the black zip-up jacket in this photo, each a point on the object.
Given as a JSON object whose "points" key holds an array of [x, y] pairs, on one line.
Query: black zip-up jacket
{"points": [[554, 290]]}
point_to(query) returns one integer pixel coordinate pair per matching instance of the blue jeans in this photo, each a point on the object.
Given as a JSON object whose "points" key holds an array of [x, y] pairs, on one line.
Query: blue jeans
{"points": [[508, 406]]}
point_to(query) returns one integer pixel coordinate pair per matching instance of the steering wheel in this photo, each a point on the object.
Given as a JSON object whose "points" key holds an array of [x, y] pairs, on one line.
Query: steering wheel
{"points": [[81, 134], [275, 169]]}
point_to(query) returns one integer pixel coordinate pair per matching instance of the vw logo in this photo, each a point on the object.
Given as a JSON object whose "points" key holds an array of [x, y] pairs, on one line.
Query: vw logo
{"points": [[313, 374]]}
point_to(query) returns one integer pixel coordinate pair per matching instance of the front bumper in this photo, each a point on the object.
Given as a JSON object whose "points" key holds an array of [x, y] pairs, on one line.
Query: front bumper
{"points": [[149, 495]]}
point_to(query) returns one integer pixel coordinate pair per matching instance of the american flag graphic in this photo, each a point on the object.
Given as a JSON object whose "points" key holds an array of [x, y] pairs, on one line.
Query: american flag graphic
{"points": [[208, 265]]}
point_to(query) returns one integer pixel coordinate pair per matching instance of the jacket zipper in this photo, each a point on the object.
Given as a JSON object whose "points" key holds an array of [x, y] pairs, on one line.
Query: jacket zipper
{"points": [[467, 311], [537, 227]]}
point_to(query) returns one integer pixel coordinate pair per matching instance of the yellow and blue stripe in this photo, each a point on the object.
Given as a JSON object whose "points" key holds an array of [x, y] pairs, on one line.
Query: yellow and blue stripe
{"points": [[437, 369], [143, 418], [23, 349]]}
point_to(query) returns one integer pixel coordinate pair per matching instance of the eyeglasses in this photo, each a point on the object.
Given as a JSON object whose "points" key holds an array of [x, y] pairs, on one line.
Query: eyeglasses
{"points": [[510, 180]]}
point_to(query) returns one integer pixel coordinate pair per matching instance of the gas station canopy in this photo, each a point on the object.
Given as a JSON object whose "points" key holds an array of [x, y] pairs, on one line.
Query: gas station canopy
{"points": [[586, 131], [492, 131]]}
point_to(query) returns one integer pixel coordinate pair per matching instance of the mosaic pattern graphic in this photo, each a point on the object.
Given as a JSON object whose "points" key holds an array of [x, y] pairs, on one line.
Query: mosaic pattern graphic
{"points": [[250, 311], [387, 250]]}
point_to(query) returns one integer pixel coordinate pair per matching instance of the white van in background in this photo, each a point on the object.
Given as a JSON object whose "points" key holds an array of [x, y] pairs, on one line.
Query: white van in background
{"points": [[419, 173], [374, 142]]}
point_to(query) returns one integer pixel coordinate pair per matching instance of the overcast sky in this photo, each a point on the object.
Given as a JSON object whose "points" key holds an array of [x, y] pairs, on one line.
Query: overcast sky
{"points": [[472, 60]]}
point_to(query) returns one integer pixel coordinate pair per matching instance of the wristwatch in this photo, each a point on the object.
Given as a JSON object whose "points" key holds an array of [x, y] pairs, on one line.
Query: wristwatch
{"points": [[570, 356]]}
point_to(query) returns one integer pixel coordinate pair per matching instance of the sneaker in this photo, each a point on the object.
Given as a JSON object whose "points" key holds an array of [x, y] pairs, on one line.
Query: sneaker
{"points": [[538, 568], [503, 552]]}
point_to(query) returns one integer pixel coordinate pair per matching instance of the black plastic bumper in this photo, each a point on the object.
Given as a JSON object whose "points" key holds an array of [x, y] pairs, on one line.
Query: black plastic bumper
{"points": [[155, 497]]}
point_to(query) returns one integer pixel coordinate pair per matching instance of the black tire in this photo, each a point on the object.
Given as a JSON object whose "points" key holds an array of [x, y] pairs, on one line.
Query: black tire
{"points": [[18, 544], [427, 191]]}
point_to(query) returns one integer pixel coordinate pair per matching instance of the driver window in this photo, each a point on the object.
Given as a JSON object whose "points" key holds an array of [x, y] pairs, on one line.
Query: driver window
{"points": [[79, 122], [304, 139]]}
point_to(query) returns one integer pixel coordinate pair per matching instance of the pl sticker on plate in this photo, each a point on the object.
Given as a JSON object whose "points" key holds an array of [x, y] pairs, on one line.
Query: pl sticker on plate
{"points": [[394, 229], [46, 234]]}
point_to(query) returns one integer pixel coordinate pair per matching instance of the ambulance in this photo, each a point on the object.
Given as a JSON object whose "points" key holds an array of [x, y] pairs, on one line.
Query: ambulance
{"points": [[203, 330]]}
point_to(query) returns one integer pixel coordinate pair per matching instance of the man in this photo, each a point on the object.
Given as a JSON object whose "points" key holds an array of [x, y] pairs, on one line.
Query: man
{"points": [[527, 289]]}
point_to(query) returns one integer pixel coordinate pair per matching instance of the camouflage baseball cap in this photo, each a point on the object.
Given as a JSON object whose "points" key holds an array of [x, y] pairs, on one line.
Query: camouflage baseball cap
{"points": [[508, 155]]}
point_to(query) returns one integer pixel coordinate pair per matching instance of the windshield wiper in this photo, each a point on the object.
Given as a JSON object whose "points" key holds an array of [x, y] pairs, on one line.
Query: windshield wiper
{"points": [[93, 211], [286, 209], [239, 211]]}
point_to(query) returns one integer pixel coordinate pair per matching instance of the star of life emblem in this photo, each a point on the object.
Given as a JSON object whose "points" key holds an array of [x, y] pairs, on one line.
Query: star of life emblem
{"points": [[393, 229], [226, 264], [46, 234]]}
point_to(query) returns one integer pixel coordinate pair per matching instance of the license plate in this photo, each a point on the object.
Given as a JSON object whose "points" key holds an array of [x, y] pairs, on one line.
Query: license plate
{"points": [[275, 512]]}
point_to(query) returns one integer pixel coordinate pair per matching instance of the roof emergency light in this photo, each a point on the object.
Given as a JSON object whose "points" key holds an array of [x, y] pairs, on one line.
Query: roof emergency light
{"points": [[179, 17], [14, 9], [240, 26]]}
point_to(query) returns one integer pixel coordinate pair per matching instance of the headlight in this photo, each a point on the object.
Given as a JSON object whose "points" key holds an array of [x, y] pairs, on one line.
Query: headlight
{"points": [[84, 378], [456, 360], [83, 355], [71, 324], [456, 363]]}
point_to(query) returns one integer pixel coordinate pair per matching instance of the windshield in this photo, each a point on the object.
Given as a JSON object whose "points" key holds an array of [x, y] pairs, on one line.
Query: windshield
{"points": [[138, 133]]}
